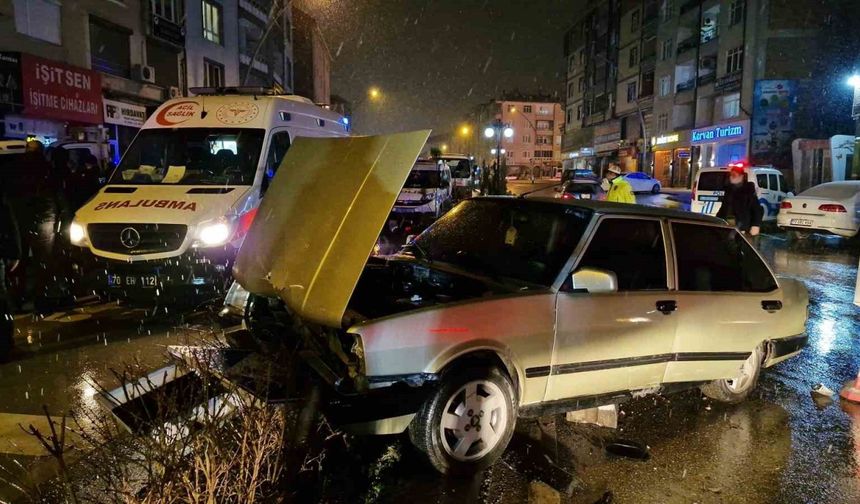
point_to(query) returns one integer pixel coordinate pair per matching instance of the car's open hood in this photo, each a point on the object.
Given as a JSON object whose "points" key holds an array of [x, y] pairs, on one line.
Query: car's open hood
{"points": [[321, 217]]}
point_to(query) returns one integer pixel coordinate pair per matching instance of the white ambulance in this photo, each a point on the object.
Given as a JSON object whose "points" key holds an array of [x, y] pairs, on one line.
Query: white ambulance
{"points": [[173, 213]]}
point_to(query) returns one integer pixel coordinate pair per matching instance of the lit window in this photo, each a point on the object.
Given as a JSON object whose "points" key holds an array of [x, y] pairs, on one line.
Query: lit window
{"points": [[39, 19], [666, 52], [735, 60], [665, 85], [527, 109], [211, 21], [732, 105]]}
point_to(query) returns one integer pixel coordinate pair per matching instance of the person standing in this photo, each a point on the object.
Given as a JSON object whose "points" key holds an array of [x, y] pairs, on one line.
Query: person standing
{"points": [[618, 190], [740, 206], [10, 254]]}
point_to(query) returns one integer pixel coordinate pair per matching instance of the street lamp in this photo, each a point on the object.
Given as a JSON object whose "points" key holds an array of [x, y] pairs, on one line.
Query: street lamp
{"points": [[854, 81], [444, 147], [493, 151], [374, 93], [498, 129]]}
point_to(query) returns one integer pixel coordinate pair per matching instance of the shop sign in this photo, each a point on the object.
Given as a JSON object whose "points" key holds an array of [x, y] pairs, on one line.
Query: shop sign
{"points": [[61, 92], [728, 82], [716, 133], [124, 114], [168, 30], [665, 139], [10, 80]]}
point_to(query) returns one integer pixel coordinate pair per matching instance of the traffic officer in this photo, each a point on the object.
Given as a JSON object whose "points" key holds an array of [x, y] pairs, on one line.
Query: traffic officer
{"points": [[740, 206], [619, 190]]}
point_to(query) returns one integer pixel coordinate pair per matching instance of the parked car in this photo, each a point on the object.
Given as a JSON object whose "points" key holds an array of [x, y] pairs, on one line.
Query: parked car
{"points": [[710, 187], [581, 189], [832, 208], [505, 307], [427, 190], [642, 182]]}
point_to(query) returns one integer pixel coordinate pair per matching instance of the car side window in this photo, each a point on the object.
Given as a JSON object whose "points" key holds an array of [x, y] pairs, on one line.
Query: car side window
{"points": [[782, 185], [774, 185], [278, 147], [633, 249], [762, 181], [712, 258]]}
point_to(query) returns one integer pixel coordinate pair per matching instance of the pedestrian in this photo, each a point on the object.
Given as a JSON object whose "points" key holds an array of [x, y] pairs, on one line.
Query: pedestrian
{"points": [[32, 194], [740, 206], [618, 190], [10, 254]]}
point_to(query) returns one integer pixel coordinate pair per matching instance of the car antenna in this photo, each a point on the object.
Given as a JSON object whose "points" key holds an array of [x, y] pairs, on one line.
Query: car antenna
{"points": [[523, 195]]}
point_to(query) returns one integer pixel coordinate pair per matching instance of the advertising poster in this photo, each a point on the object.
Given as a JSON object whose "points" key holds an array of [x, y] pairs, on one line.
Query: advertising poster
{"points": [[774, 106]]}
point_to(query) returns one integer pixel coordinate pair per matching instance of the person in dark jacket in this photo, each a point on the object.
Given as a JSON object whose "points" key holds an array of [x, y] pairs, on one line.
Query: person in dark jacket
{"points": [[740, 204], [10, 254]]}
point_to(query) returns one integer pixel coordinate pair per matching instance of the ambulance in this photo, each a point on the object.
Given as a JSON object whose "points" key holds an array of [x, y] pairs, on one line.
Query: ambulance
{"points": [[171, 217]]}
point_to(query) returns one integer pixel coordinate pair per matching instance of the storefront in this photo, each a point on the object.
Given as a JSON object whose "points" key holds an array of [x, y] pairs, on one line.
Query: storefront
{"points": [[122, 120], [671, 158], [720, 144], [607, 141], [53, 101]]}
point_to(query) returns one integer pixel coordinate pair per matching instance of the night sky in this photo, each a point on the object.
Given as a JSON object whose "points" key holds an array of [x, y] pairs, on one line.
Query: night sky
{"points": [[435, 59]]}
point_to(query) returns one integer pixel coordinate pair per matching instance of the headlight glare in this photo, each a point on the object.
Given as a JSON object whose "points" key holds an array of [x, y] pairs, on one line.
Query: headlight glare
{"points": [[76, 233], [214, 234]]}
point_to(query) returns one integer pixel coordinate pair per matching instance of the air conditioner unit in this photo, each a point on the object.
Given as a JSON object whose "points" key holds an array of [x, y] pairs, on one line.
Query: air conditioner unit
{"points": [[174, 92], [146, 73]]}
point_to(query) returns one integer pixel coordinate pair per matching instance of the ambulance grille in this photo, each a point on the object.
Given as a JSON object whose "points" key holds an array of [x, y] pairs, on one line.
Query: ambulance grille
{"points": [[136, 239]]}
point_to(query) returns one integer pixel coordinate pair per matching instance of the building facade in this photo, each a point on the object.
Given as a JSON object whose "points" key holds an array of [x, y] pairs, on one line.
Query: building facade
{"points": [[534, 147], [313, 59], [670, 86]]}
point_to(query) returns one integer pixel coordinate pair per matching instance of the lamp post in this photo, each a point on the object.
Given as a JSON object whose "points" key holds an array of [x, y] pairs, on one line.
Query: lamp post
{"points": [[497, 129]]}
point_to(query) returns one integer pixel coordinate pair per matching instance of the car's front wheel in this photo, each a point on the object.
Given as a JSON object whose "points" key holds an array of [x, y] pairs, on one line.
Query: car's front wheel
{"points": [[736, 389], [467, 423], [655, 189]]}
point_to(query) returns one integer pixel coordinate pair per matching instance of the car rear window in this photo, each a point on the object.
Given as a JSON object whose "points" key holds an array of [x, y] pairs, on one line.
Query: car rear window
{"points": [[581, 188], [712, 258], [712, 181]]}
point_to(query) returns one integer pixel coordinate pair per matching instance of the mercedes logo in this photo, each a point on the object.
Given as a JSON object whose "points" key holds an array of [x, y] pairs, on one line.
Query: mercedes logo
{"points": [[129, 237]]}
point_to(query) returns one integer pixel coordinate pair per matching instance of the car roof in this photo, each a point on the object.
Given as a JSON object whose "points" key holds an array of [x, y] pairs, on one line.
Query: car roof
{"points": [[425, 165], [608, 208]]}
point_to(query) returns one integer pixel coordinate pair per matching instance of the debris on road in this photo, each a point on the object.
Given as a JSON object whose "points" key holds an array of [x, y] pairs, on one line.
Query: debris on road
{"points": [[822, 390], [603, 416], [541, 493], [629, 449]]}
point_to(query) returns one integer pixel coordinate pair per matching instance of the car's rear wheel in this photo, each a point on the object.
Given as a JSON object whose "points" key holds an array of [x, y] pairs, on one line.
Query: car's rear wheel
{"points": [[655, 189], [736, 389], [467, 423]]}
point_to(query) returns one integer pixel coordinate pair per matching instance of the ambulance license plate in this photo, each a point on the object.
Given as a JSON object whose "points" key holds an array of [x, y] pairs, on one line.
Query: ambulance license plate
{"points": [[143, 281]]}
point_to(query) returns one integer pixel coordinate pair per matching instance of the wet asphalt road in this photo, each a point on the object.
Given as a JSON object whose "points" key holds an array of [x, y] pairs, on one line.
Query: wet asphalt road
{"points": [[777, 447]]}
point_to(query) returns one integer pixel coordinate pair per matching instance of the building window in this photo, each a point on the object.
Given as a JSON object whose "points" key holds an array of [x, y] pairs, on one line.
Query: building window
{"points": [[110, 48], [512, 109], [666, 50], [634, 21], [634, 57], [213, 74], [665, 85], [736, 12], [735, 60], [165, 9], [731, 105], [647, 84], [543, 125], [569, 90], [581, 85], [567, 117], [667, 10], [579, 112], [211, 21], [525, 154], [631, 92], [39, 19], [571, 64], [662, 122], [527, 109], [582, 56], [527, 138]]}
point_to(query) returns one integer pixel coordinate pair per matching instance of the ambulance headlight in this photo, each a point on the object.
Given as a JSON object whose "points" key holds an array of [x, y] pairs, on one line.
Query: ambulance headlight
{"points": [[214, 233], [77, 234]]}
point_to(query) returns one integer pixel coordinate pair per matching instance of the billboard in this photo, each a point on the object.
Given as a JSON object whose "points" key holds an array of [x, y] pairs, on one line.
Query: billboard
{"points": [[774, 108], [62, 92]]}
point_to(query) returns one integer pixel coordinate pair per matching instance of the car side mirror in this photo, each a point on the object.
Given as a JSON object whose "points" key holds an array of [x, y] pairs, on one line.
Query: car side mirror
{"points": [[594, 281]]}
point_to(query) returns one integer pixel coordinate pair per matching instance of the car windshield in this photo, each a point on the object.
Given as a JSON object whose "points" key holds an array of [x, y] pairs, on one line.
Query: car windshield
{"points": [[527, 241], [459, 168], [185, 156], [713, 181], [419, 179]]}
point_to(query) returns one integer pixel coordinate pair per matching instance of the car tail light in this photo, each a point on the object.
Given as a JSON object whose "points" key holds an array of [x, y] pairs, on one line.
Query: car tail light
{"points": [[831, 207], [566, 196], [785, 204]]}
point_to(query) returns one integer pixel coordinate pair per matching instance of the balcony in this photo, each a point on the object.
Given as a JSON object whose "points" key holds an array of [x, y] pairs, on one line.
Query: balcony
{"points": [[595, 118], [707, 78], [649, 28], [687, 44]]}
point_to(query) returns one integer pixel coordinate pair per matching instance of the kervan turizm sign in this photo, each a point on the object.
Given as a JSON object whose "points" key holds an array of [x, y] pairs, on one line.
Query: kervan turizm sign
{"points": [[716, 133]]}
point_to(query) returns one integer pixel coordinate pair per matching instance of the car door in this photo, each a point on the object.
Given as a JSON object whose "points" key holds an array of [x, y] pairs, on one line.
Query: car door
{"points": [[727, 297], [614, 341]]}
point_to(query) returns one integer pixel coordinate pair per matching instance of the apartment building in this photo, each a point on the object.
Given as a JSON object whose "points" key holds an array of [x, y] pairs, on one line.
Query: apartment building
{"points": [[535, 146], [701, 83]]}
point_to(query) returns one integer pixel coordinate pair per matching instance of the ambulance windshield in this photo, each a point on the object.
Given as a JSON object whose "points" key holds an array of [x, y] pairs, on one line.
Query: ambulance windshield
{"points": [[191, 156]]}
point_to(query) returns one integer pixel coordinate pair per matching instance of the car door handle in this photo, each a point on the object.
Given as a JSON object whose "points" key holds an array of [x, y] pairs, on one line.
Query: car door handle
{"points": [[771, 305], [667, 306]]}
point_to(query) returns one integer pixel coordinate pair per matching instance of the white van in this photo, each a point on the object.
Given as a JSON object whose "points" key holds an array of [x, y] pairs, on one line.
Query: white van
{"points": [[461, 174], [427, 190], [176, 208], [710, 184]]}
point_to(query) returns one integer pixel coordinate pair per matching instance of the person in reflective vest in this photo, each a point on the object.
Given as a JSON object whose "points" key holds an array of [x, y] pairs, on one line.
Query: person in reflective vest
{"points": [[618, 189]]}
